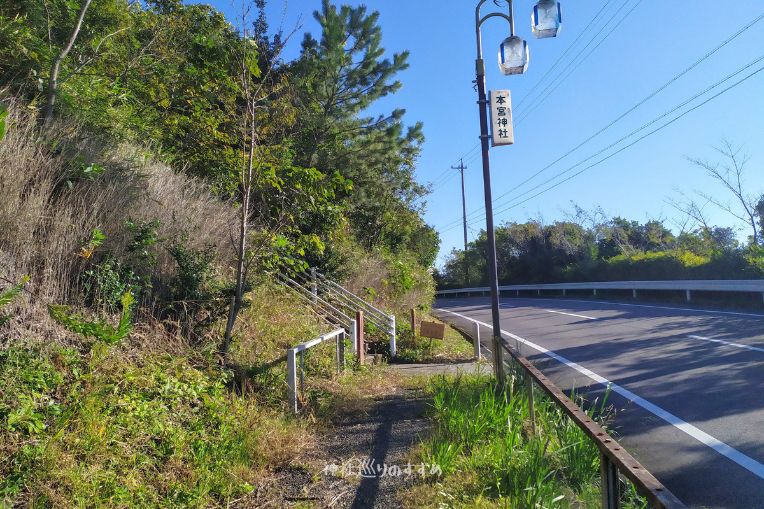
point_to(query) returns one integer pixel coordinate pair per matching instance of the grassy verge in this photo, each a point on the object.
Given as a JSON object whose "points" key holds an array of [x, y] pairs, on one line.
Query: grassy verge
{"points": [[490, 458], [454, 347], [154, 422]]}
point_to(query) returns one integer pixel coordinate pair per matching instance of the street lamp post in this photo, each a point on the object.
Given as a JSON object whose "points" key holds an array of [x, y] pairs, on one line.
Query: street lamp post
{"points": [[493, 280], [513, 59]]}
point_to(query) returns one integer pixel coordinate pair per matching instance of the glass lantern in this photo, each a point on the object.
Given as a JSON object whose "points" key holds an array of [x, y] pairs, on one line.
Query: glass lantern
{"points": [[546, 19], [513, 56]]}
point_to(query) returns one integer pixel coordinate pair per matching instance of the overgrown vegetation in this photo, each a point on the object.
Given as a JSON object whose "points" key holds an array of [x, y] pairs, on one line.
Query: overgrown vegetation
{"points": [[490, 456], [153, 421], [602, 249], [590, 246], [454, 347], [158, 164]]}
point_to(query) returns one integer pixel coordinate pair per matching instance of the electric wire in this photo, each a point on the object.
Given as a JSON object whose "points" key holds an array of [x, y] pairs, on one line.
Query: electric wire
{"points": [[564, 76], [563, 55], [647, 98], [511, 204], [658, 129], [539, 92], [643, 101]]}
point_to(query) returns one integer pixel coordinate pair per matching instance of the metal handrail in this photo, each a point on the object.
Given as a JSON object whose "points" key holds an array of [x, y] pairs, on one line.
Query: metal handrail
{"points": [[375, 319], [351, 302], [614, 459], [340, 335], [309, 298], [348, 303], [369, 308]]}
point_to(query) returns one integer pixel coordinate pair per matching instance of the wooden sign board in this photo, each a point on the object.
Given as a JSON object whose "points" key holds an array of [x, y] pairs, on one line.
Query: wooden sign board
{"points": [[432, 330]]}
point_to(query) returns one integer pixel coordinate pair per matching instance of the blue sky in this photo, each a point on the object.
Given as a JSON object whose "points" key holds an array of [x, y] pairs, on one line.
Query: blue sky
{"points": [[653, 43]]}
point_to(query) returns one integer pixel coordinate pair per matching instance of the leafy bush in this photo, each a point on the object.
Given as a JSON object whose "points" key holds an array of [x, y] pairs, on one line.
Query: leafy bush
{"points": [[106, 283], [96, 329], [195, 271]]}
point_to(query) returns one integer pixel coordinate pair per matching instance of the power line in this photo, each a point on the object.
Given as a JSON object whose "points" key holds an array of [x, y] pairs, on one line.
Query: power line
{"points": [[561, 57], [557, 81], [667, 124], [647, 98], [643, 101], [539, 92], [451, 176], [511, 205], [648, 124], [543, 97]]}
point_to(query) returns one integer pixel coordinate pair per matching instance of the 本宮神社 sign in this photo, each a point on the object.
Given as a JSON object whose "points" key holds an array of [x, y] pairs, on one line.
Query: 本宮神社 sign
{"points": [[501, 118]]}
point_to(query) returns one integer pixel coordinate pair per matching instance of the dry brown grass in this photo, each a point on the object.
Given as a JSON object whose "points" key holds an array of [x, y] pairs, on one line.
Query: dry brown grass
{"points": [[44, 222]]}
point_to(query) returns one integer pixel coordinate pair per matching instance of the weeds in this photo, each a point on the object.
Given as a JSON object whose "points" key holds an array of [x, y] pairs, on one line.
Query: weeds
{"points": [[9, 295], [97, 329], [490, 457]]}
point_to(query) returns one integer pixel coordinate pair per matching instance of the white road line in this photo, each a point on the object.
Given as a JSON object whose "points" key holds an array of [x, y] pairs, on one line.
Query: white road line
{"points": [[569, 314], [701, 436], [728, 343]]}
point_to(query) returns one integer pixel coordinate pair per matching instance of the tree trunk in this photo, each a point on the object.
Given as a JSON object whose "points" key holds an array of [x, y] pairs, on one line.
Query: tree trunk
{"points": [[50, 102], [247, 177]]}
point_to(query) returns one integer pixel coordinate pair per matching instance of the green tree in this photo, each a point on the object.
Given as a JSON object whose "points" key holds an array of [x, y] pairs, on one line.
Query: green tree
{"points": [[337, 78]]}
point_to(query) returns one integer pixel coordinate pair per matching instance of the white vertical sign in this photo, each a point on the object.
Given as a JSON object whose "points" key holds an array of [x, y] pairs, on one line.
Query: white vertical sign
{"points": [[502, 132]]}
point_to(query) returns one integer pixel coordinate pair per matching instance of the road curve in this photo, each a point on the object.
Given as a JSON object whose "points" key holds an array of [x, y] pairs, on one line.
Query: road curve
{"points": [[689, 383]]}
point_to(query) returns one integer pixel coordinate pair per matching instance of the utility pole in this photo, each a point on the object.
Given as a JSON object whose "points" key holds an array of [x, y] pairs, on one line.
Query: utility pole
{"points": [[461, 169]]}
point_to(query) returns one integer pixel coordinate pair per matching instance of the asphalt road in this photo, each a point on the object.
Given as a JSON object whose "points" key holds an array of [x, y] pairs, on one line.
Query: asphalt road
{"points": [[688, 384]]}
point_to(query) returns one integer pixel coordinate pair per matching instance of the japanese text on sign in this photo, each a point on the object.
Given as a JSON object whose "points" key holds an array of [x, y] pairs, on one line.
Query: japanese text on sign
{"points": [[501, 118]]}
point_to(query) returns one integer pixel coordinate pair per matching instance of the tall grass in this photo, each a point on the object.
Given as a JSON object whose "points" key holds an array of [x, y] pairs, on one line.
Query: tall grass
{"points": [[490, 456], [59, 187]]}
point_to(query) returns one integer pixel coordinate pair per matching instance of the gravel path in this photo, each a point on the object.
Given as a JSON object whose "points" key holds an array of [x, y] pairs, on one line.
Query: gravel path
{"points": [[364, 460]]}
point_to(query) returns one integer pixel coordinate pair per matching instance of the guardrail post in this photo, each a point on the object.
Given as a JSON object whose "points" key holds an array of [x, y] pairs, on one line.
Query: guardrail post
{"points": [[564, 292], [531, 411], [302, 372], [354, 336], [341, 352], [476, 339], [594, 292], [634, 293], [688, 294], [292, 379], [393, 347], [360, 348], [517, 294], [610, 483]]}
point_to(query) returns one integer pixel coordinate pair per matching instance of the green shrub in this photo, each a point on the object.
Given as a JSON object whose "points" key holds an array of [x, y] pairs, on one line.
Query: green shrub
{"points": [[106, 282], [195, 272], [485, 447], [102, 431], [29, 406], [97, 329]]}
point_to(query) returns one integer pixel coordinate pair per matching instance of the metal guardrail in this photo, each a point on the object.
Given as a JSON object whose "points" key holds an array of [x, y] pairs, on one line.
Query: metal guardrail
{"points": [[336, 301], [320, 304], [614, 459], [687, 286], [339, 335]]}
